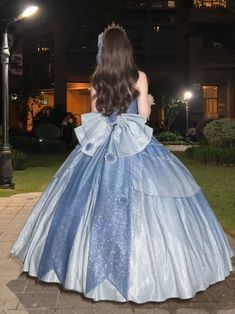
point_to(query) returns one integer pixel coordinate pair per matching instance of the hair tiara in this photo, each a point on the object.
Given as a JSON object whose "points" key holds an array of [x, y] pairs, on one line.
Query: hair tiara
{"points": [[114, 26], [101, 39]]}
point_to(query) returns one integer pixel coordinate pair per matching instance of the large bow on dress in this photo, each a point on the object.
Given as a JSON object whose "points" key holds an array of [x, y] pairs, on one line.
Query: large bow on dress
{"points": [[128, 133]]}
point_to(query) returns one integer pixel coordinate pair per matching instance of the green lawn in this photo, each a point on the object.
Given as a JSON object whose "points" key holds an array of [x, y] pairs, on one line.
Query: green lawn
{"points": [[217, 182], [35, 178]]}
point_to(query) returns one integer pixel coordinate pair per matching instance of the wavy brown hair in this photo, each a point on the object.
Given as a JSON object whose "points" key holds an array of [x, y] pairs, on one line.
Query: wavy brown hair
{"points": [[115, 77]]}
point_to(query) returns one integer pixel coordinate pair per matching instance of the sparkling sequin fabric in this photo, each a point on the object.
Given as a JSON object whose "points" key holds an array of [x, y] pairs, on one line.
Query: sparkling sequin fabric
{"points": [[123, 219]]}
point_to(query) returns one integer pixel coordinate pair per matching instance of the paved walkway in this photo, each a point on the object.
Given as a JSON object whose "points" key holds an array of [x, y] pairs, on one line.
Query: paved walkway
{"points": [[20, 294], [177, 148]]}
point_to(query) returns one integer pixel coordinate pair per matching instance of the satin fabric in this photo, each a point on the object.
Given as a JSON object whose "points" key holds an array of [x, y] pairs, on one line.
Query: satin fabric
{"points": [[124, 228], [128, 132]]}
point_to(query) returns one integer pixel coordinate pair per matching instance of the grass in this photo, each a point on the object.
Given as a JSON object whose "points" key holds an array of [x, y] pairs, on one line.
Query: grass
{"points": [[35, 178], [217, 183]]}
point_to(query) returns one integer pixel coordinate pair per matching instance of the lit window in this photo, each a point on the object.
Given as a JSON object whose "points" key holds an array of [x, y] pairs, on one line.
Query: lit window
{"points": [[210, 94], [41, 48], [210, 3], [171, 4], [45, 48]]}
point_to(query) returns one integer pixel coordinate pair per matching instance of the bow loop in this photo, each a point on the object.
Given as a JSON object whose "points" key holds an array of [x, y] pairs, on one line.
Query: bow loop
{"points": [[127, 133]]}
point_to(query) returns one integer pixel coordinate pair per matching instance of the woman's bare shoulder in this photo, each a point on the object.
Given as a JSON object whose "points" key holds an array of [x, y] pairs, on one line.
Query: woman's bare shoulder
{"points": [[142, 81], [142, 75]]}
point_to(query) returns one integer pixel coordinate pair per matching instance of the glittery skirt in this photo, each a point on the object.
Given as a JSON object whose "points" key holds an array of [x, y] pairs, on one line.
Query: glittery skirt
{"points": [[134, 228]]}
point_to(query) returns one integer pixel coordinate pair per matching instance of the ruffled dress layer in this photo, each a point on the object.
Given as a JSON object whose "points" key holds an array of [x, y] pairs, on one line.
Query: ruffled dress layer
{"points": [[124, 220]]}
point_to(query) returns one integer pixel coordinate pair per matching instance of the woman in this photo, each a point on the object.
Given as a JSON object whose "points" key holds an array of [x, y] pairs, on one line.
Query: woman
{"points": [[123, 219]]}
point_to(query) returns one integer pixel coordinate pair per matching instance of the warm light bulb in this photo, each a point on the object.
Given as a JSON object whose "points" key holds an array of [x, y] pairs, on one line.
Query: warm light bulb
{"points": [[26, 13], [188, 95], [29, 11]]}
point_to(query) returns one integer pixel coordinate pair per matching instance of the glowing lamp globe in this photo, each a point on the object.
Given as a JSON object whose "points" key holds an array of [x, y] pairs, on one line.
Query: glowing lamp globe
{"points": [[188, 95]]}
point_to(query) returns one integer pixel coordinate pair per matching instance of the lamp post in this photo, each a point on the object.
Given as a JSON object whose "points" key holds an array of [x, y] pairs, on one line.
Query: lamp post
{"points": [[187, 96], [6, 170]]}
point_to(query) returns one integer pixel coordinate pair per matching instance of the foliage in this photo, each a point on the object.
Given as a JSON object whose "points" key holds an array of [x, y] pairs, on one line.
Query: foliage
{"points": [[171, 106], [47, 131], [54, 116], [33, 145], [200, 128], [169, 137], [19, 159], [220, 132], [18, 103], [19, 106], [211, 154], [53, 146], [25, 144]]}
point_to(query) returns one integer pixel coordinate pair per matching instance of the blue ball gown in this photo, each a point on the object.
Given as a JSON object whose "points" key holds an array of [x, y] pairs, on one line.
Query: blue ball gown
{"points": [[123, 219]]}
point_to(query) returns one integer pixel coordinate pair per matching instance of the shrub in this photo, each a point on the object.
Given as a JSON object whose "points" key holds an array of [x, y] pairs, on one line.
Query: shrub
{"points": [[220, 132], [212, 154], [49, 138], [169, 137], [34, 145], [25, 144], [190, 151], [19, 160], [220, 135], [54, 116], [47, 131], [200, 128], [52, 146]]}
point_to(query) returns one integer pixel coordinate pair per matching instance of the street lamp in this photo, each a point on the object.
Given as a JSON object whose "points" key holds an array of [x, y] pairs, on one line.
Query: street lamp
{"points": [[6, 170], [187, 96]]}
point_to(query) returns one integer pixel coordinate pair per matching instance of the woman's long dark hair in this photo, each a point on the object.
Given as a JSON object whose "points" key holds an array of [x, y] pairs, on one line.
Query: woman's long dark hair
{"points": [[116, 75]]}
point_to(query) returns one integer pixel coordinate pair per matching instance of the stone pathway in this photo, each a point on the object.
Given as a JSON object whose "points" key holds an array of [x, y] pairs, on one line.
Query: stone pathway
{"points": [[21, 294], [177, 148]]}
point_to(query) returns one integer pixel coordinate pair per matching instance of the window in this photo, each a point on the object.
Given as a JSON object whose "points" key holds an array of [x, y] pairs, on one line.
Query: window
{"points": [[171, 4], [210, 94], [210, 3], [43, 101]]}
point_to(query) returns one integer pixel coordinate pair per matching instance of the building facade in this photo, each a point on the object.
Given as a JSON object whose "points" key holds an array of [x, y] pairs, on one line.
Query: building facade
{"points": [[211, 55], [180, 44]]}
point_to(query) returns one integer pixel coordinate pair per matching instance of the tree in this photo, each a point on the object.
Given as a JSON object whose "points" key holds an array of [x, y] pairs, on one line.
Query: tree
{"points": [[171, 106]]}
